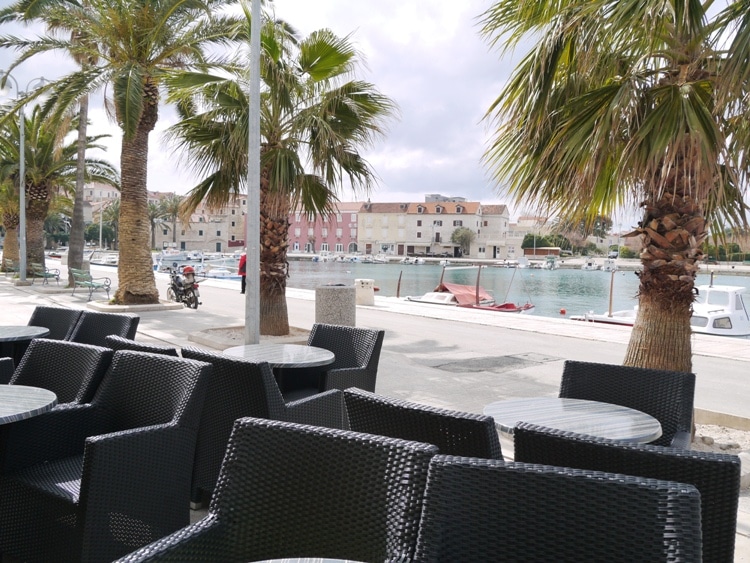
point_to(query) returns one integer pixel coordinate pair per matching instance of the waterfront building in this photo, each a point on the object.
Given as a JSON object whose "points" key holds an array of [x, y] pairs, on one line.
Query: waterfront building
{"points": [[335, 233]]}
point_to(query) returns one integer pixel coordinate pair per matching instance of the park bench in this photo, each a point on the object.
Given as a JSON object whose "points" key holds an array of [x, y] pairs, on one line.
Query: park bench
{"points": [[10, 267], [38, 270], [82, 278]]}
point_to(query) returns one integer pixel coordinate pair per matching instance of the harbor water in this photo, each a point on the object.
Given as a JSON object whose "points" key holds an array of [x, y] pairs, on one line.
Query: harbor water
{"points": [[573, 291]]}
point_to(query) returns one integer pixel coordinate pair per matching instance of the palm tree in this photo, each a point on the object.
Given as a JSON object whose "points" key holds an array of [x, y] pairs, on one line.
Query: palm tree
{"points": [[140, 44], [311, 108], [617, 104], [111, 217], [10, 217], [51, 166], [172, 206], [156, 217], [31, 10]]}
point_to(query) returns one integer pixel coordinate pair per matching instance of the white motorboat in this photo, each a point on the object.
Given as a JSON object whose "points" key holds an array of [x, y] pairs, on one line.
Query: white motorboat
{"points": [[718, 309], [589, 265], [455, 294], [380, 259]]}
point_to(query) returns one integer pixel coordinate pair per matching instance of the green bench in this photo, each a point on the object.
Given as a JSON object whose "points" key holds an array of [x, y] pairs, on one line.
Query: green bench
{"points": [[40, 271], [82, 278], [10, 267]]}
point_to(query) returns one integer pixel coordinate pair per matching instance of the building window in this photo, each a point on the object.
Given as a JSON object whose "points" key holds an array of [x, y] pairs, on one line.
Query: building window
{"points": [[438, 209], [234, 224], [486, 223], [233, 237], [339, 218], [324, 232], [164, 232], [419, 234], [353, 233], [297, 232], [218, 233], [339, 232], [324, 247], [459, 209], [419, 222], [354, 216], [420, 209], [437, 237], [244, 202], [310, 232], [233, 211], [458, 223], [437, 223], [183, 232], [200, 233], [297, 218], [295, 246], [339, 247]]}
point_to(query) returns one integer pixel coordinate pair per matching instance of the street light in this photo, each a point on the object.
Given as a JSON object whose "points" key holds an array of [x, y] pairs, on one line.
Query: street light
{"points": [[21, 168]]}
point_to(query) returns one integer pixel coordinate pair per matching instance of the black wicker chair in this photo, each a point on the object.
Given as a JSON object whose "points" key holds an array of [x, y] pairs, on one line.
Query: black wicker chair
{"points": [[93, 482], [240, 388], [716, 476], [94, 327], [290, 490], [665, 395], [117, 342], [357, 352], [453, 432], [59, 320], [71, 370], [7, 366], [490, 510]]}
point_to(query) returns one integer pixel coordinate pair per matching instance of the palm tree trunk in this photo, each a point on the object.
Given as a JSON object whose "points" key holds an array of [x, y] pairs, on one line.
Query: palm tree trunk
{"points": [[77, 228], [35, 216], [274, 268], [672, 232], [135, 268], [10, 248]]}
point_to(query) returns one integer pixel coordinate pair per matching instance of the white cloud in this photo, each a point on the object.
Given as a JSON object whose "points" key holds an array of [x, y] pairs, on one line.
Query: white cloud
{"points": [[425, 54]]}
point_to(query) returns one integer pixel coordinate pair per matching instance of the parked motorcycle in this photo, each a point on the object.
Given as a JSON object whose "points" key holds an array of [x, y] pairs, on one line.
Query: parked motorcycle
{"points": [[183, 287]]}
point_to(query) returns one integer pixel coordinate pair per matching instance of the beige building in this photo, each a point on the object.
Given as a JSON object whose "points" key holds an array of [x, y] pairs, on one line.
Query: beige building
{"points": [[401, 229]]}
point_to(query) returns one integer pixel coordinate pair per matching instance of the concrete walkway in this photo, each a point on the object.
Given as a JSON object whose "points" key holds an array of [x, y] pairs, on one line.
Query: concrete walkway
{"points": [[443, 356]]}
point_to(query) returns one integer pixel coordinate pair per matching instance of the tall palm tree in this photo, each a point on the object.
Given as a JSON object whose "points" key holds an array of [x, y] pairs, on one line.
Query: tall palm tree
{"points": [[111, 217], [315, 118], [10, 217], [33, 10], [156, 218], [51, 168], [172, 206], [139, 45], [617, 104]]}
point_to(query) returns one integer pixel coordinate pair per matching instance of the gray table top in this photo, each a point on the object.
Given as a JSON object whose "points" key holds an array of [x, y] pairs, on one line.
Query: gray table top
{"points": [[22, 332], [283, 355], [575, 415], [18, 402]]}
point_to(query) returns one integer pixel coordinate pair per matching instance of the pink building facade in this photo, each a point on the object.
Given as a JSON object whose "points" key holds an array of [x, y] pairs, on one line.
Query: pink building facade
{"points": [[336, 233]]}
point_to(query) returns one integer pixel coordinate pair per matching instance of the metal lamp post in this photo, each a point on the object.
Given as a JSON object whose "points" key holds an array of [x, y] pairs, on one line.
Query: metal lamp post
{"points": [[21, 171]]}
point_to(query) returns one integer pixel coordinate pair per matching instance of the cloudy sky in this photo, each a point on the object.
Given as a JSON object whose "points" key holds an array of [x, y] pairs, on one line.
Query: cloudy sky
{"points": [[426, 55]]}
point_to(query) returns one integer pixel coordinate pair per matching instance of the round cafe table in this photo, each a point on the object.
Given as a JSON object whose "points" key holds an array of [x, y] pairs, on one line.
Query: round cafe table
{"points": [[15, 339], [18, 402], [291, 363], [594, 418]]}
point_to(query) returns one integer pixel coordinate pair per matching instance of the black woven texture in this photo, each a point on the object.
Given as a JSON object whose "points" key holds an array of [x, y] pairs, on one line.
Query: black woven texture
{"points": [[715, 475], [94, 327], [357, 353], [488, 510], [453, 432], [289, 490], [117, 342], [71, 370], [665, 395], [58, 320], [7, 366], [93, 482], [239, 388]]}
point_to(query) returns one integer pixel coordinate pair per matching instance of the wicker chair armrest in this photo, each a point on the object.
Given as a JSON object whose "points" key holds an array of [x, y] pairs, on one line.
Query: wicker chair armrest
{"points": [[203, 541], [324, 409], [681, 439], [158, 458], [56, 434], [343, 378]]}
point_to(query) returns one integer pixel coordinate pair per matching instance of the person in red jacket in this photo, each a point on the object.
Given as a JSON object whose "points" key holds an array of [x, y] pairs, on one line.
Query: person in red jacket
{"points": [[242, 270]]}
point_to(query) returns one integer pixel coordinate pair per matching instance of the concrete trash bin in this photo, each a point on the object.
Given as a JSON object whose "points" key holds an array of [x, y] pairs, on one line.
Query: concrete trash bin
{"points": [[336, 304], [365, 290]]}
